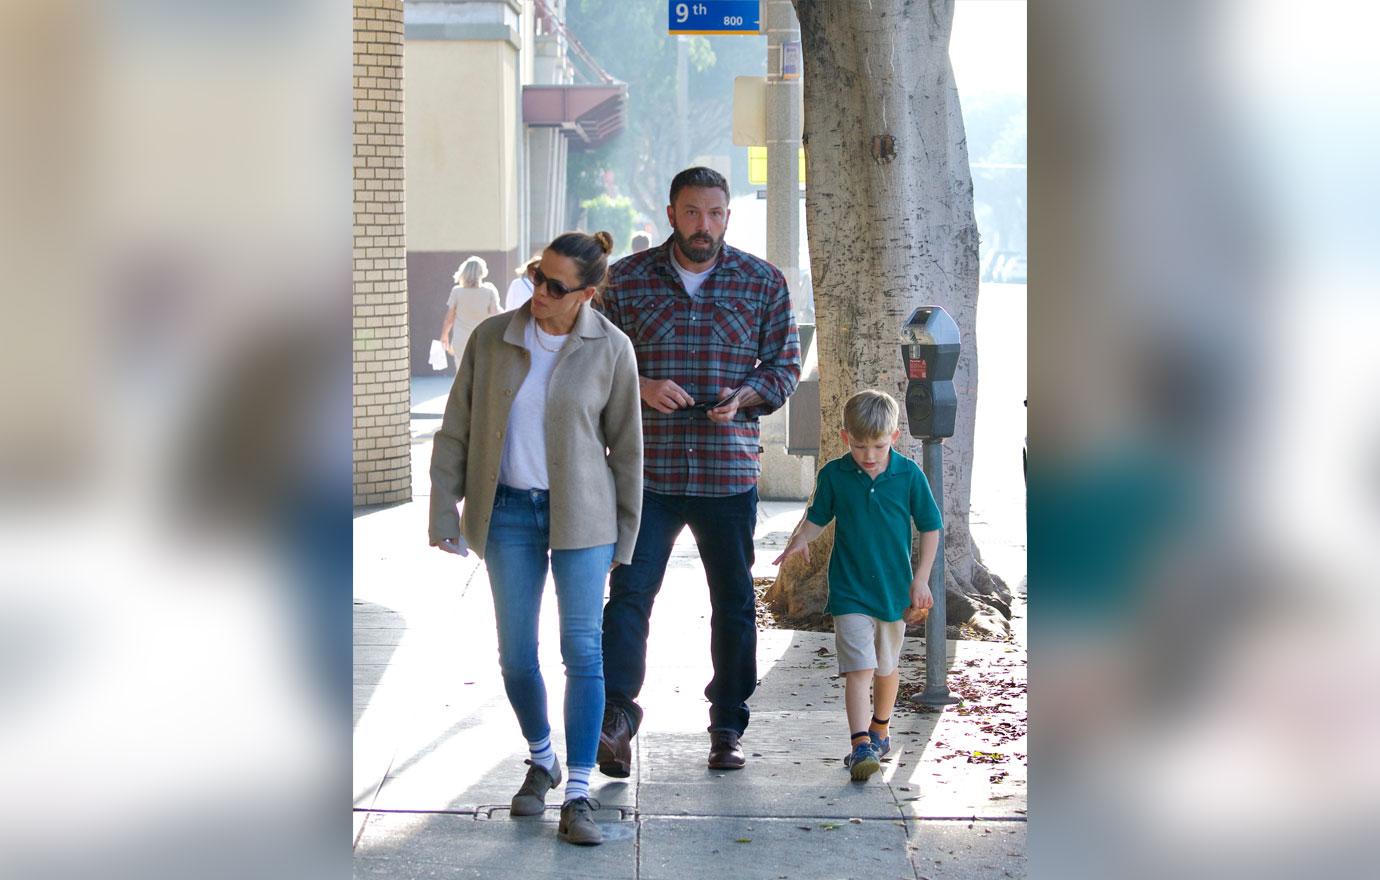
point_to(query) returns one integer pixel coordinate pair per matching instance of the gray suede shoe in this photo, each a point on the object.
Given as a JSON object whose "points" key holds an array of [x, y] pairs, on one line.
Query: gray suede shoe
{"points": [[531, 798], [577, 823]]}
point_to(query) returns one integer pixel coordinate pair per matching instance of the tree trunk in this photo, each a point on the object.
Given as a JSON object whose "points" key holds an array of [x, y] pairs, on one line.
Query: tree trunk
{"points": [[889, 210]]}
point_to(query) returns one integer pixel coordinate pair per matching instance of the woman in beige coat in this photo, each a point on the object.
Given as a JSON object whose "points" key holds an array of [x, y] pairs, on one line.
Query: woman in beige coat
{"points": [[542, 440]]}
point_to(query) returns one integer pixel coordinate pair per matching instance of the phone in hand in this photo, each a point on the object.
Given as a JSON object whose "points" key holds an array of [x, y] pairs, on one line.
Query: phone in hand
{"points": [[705, 406]]}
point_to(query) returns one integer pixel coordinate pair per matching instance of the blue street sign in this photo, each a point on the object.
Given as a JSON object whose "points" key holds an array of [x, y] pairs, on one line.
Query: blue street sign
{"points": [[715, 17]]}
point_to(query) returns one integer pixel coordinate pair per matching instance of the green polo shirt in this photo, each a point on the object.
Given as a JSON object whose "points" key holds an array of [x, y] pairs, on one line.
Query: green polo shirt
{"points": [[869, 570]]}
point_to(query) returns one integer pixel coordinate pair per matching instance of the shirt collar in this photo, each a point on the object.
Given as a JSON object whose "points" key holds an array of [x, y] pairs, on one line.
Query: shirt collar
{"points": [[587, 325], [730, 261], [853, 468]]}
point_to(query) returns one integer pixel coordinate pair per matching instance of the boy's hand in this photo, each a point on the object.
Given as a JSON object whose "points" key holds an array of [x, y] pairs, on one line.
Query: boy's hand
{"points": [[795, 546], [921, 601]]}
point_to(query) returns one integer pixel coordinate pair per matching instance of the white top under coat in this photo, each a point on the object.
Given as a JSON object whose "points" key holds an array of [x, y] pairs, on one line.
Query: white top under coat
{"points": [[523, 465]]}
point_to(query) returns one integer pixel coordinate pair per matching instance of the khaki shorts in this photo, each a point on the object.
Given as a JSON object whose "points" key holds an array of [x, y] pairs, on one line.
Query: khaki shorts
{"points": [[864, 642]]}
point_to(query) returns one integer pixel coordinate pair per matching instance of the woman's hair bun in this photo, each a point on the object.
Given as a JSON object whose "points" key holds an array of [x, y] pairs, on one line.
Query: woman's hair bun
{"points": [[605, 241]]}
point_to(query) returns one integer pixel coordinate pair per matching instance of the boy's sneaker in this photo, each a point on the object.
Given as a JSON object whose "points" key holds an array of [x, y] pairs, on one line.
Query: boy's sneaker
{"points": [[881, 744], [577, 823], [530, 800], [862, 762]]}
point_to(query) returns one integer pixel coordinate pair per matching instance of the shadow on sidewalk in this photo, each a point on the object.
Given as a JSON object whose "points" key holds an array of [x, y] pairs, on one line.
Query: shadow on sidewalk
{"points": [[445, 806], [377, 632]]}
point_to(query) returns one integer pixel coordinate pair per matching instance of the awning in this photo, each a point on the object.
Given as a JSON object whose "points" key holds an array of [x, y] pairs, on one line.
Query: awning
{"points": [[588, 114]]}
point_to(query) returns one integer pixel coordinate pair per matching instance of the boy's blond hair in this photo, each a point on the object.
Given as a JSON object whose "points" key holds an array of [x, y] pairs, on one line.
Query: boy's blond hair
{"points": [[871, 414]]}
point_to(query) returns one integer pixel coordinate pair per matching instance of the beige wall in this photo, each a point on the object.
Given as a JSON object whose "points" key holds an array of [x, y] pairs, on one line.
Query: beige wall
{"points": [[462, 187]]}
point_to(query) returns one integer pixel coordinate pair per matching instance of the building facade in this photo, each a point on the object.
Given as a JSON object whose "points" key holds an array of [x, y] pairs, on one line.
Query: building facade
{"points": [[492, 106]]}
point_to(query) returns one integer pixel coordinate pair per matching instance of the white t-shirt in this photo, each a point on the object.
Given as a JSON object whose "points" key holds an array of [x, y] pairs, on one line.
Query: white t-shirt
{"points": [[692, 280], [523, 465], [519, 292]]}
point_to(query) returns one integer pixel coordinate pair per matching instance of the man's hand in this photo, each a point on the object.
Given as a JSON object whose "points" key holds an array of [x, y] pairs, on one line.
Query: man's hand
{"points": [[456, 546], [732, 399], [663, 395]]}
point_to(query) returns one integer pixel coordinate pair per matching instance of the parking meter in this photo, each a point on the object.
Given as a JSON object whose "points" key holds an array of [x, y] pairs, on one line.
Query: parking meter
{"points": [[929, 353]]}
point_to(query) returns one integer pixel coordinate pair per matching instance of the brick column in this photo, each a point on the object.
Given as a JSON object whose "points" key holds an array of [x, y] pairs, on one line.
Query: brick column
{"points": [[382, 395]]}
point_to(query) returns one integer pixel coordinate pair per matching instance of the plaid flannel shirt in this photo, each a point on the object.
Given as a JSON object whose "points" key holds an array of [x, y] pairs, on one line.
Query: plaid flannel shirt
{"points": [[736, 330]]}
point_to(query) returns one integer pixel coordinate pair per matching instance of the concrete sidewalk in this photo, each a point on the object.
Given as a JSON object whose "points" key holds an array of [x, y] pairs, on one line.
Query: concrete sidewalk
{"points": [[438, 753]]}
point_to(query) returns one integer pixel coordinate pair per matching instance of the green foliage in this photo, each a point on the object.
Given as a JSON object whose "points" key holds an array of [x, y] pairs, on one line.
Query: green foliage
{"points": [[629, 40], [700, 54], [616, 215], [584, 170]]}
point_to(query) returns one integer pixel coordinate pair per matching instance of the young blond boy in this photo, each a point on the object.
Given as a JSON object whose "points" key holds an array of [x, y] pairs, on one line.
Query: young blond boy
{"points": [[874, 493]]}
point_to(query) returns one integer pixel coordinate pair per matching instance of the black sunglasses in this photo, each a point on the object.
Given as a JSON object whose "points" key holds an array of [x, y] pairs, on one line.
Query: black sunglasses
{"points": [[554, 288]]}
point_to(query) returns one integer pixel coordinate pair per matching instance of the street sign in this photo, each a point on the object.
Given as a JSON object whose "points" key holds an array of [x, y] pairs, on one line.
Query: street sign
{"points": [[750, 111], [757, 166], [790, 59], [715, 17]]}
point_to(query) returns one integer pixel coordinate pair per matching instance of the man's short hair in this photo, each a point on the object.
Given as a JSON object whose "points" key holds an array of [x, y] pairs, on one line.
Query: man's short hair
{"points": [[698, 176], [869, 415]]}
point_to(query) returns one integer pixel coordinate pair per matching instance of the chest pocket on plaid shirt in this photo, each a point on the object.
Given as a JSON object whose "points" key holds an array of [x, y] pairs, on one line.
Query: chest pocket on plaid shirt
{"points": [[736, 322], [650, 319]]}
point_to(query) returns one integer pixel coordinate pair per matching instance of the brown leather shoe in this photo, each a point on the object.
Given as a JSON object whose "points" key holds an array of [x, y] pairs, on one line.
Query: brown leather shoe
{"points": [[724, 751], [615, 745]]}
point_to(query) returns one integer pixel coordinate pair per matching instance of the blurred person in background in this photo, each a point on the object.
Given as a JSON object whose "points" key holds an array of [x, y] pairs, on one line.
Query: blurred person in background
{"points": [[520, 290], [640, 242], [542, 438], [472, 299]]}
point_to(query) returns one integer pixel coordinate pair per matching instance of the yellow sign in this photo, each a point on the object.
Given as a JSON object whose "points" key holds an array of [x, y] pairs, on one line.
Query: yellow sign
{"points": [[757, 166]]}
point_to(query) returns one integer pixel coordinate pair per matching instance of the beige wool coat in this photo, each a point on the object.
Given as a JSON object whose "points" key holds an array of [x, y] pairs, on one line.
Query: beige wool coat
{"points": [[593, 435]]}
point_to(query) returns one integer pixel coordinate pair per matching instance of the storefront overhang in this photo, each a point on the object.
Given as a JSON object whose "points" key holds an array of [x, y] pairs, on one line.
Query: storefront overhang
{"points": [[588, 114]]}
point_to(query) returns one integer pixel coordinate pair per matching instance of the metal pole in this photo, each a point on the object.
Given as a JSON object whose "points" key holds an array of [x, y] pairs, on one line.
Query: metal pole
{"points": [[936, 691], [783, 150], [682, 103]]}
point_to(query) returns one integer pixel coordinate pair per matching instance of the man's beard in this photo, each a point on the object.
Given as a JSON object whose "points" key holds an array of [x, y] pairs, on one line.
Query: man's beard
{"points": [[704, 249]]}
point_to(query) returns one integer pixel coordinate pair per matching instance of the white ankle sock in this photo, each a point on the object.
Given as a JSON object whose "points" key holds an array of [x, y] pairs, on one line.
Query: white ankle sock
{"points": [[577, 783], [542, 753]]}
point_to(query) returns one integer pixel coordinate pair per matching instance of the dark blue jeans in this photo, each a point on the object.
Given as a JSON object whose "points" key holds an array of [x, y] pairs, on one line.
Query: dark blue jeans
{"points": [[723, 532]]}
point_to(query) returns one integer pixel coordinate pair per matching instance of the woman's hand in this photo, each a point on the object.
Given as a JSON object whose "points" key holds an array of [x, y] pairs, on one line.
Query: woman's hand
{"points": [[456, 546]]}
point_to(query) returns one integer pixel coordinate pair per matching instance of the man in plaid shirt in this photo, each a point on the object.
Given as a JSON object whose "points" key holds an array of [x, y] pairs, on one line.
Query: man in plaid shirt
{"points": [[717, 348]]}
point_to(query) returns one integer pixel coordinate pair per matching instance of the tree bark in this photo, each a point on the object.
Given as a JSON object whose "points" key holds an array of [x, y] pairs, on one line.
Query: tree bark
{"points": [[889, 211]]}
